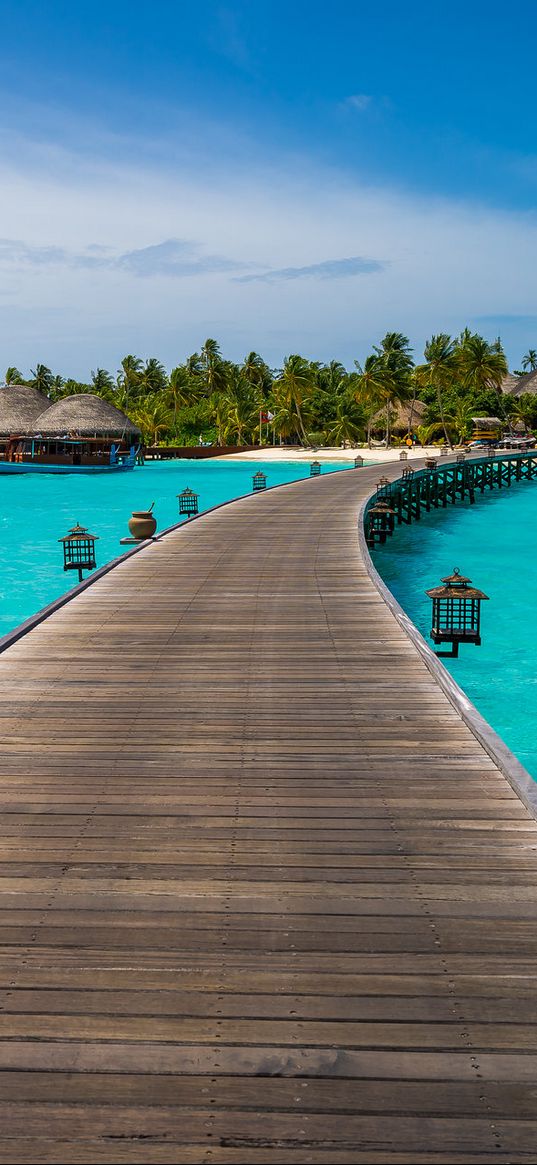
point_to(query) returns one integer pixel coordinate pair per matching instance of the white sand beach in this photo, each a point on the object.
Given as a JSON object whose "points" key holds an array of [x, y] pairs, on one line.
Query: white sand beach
{"points": [[297, 453]]}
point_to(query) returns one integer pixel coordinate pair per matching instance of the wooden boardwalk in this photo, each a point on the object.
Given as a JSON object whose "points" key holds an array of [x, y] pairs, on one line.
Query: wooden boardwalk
{"points": [[264, 897]]}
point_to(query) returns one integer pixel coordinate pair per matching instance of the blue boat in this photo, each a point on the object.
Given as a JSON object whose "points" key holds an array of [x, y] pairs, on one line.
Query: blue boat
{"points": [[67, 455]]}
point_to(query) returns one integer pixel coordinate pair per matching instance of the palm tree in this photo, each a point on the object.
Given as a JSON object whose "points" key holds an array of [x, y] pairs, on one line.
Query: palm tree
{"points": [[292, 389], [257, 373], [153, 417], [483, 365], [213, 369], [459, 421], [396, 365], [153, 377], [42, 379], [13, 376], [102, 383], [372, 386], [524, 408], [193, 364], [242, 407], [128, 379], [330, 376], [528, 361], [180, 393], [348, 426], [439, 370]]}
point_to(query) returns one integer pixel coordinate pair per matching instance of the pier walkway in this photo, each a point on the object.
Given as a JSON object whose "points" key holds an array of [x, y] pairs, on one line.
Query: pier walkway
{"points": [[264, 897]]}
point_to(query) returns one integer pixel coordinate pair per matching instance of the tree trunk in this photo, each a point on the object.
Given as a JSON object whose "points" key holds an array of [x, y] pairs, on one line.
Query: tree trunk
{"points": [[301, 423], [442, 417]]}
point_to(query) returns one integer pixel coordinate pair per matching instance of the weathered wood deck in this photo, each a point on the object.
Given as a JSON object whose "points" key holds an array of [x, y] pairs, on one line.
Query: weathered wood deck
{"points": [[264, 897]]}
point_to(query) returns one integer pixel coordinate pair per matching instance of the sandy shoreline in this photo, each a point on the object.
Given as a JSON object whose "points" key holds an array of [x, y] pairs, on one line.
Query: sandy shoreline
{"points": [[291, 453]]}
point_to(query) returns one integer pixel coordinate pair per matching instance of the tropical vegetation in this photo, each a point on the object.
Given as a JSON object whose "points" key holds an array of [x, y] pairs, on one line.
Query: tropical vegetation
{"points": [[208, 398]]}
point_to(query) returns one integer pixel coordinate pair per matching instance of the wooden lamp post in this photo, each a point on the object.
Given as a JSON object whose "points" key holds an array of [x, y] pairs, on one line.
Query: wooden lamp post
{"points": [[380, 522]]}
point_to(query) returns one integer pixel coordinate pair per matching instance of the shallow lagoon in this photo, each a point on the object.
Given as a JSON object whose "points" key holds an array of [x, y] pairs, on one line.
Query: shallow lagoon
{"points": [[495, 543], [37, 510]]}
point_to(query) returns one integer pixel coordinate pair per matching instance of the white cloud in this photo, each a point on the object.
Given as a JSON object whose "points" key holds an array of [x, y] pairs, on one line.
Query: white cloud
{"points": [[328, 269], [74, 298], [359, 101]]}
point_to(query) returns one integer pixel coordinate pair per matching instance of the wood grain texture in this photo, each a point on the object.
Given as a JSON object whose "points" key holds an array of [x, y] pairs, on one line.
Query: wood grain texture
{"points": [[263, 895]]}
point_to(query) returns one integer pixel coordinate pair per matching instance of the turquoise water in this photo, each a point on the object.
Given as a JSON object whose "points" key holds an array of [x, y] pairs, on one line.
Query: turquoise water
{"points": [[495, 543], [37, 510]]}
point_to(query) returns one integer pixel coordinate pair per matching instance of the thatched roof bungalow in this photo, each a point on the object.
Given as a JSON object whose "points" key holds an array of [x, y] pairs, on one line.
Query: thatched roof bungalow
{"points": [[20, 406], [403, 417], [517, 385], [84, 415]]}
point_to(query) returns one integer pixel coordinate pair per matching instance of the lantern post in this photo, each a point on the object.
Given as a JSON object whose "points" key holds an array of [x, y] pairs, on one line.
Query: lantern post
{"points": [[456, 613], [188, 503], [380, 522], [259, 481], [79, 550]]}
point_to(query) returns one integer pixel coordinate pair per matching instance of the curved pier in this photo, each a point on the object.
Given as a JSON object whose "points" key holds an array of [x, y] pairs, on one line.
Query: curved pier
{"points": [[265, 897]]}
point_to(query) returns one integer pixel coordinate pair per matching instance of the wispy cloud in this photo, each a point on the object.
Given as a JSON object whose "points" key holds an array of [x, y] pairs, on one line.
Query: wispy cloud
{"points": [[174, 258], [359, 101], [177, 258], [14, 251], [100, 257], [329, 269]]}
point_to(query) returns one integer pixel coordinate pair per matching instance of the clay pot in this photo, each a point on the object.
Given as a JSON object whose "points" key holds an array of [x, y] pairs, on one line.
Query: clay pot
{"points": [[142, 524]]}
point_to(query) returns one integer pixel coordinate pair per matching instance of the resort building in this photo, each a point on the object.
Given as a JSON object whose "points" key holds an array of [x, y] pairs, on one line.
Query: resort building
{"points": [[84, 415], [20, 406], [517, 385], [404, 418]]}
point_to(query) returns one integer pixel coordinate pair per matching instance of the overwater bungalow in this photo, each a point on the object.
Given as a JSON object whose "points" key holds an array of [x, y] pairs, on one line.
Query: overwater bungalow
{"points": [[78, 434]]}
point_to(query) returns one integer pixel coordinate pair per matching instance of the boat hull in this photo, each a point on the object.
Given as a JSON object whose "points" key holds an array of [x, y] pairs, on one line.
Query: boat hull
{"points": [[35, 467]]}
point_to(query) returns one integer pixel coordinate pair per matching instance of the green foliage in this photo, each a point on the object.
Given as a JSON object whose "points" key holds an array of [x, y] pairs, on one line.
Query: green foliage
{"points": [[13, 376], [211, 398]]}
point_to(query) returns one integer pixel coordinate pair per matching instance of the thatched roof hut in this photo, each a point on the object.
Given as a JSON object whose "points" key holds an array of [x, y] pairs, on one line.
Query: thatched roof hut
{"points": [[509, 384], [20, 406], [487, 422], [403, 417], [85, 415], [517, 385]]}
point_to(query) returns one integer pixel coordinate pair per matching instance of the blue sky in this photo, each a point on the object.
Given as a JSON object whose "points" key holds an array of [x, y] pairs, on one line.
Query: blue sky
{"points": [[288, 177]]}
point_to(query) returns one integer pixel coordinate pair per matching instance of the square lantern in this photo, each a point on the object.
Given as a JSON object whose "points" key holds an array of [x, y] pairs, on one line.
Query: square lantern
{"points": [[79, 550], [383, 488], [315, 468], [408, 472], [259, 481], [188, 503], [431, 463], [380, 522], [358, 462], [456, 612], [403, 454]]}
